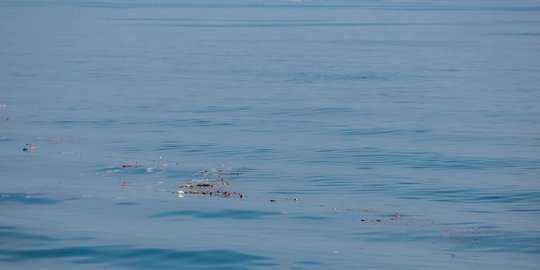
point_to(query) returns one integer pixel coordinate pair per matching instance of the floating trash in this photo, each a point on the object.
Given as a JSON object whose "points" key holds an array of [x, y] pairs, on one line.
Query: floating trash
{"points": [[218, 173], [128, 165], [210, 189], [28, 147]]}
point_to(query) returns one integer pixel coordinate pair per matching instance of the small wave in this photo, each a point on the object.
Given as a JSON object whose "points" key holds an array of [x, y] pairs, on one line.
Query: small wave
{"points": [[25, 198], [139, 258]]}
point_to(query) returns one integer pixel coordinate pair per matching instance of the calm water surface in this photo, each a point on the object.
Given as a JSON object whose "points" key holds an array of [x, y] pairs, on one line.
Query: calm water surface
{"points": [[362, 134]]}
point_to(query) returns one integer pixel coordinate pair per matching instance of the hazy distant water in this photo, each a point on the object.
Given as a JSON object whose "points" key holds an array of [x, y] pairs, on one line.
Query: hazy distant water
{"points": [[358, 109]]}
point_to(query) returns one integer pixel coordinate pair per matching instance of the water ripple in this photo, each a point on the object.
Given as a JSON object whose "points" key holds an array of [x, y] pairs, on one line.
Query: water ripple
{"points": [[470, 195], [140, 258], [25, 198], [234, 214]]}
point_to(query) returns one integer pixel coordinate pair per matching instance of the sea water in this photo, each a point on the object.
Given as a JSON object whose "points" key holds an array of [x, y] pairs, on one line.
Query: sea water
{"points": [[361, 134]]}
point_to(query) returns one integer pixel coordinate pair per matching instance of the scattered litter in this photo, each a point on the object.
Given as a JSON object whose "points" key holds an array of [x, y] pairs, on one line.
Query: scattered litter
{"points": [[272, 200], [180, 193]]}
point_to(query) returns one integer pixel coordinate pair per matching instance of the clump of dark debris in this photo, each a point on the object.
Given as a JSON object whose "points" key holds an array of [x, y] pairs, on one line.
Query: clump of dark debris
{"points": [[209, 188]]}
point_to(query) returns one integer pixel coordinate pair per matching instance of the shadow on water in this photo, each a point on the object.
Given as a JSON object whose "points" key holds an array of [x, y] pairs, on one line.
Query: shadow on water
{"points": [[140, 258], [234, 214]]}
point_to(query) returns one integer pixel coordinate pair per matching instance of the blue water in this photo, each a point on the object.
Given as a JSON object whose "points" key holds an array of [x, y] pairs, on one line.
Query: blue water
{"points": [[362, 134]]}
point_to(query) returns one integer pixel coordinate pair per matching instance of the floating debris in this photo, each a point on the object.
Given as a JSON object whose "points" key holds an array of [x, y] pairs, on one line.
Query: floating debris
{"points": [[128, 165], [210, 188], [29, 147], [294, 200], [470, 236], [76, 153], [218, 173]]}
